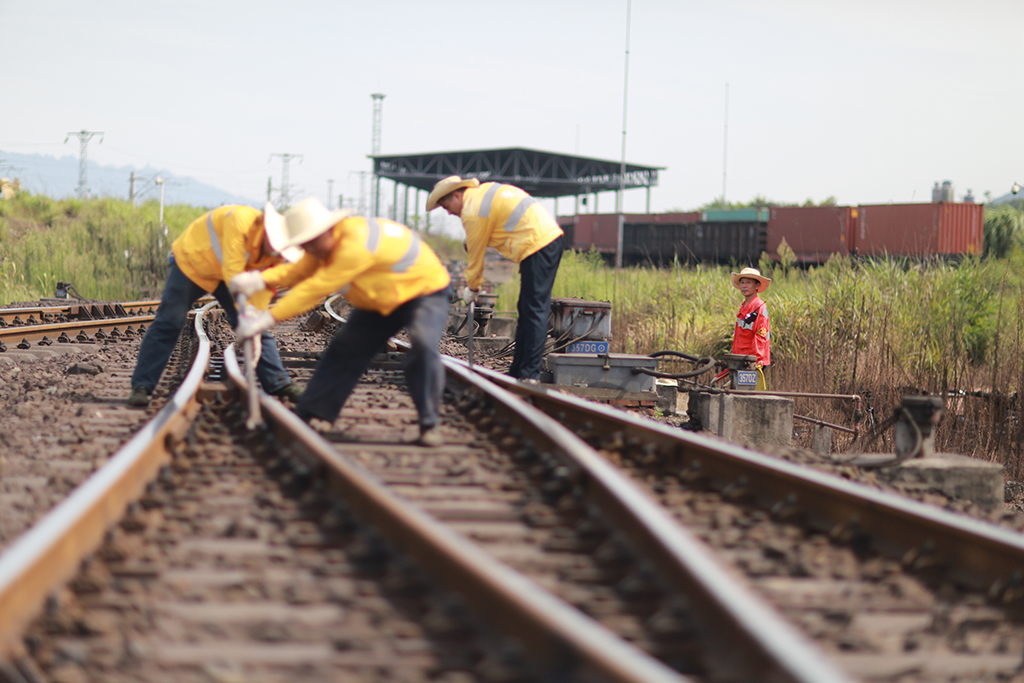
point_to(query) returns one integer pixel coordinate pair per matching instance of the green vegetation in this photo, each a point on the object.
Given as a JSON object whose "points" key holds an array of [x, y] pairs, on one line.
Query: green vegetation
{"points": [[104, 247]]}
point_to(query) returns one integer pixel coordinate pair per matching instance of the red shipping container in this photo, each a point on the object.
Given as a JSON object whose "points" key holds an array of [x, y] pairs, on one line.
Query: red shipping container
{"points": [[934, 229], [814, 233]]}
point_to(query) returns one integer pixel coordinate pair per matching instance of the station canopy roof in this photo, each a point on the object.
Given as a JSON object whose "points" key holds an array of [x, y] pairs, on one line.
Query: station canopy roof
{"points": [[542, 174]]}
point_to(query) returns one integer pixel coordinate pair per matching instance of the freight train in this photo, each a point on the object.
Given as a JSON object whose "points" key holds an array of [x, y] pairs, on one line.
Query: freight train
{"points": [[814, 233]]}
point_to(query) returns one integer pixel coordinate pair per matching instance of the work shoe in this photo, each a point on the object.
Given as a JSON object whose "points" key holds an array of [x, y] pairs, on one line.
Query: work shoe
{"points": [[139, 397], [292, 392], [430, 437]]}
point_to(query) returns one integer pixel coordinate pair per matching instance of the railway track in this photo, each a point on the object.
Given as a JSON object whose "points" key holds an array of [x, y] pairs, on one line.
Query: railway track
{"points": [[892, 588], [221, 571], [84, 323]]}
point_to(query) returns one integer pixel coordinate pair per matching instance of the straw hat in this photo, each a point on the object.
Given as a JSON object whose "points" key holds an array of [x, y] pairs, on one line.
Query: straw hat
{"points": [[299, 224], [446, 186], [753, 274]]}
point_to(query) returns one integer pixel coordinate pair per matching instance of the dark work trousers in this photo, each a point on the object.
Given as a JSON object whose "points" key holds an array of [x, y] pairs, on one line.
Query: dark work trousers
{"points": [[175, 303], [536, 278], [354, 345]]}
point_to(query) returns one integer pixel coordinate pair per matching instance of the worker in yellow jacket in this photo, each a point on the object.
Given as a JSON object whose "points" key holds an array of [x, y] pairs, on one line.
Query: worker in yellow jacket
{"points": [[510, 220], [214, 248], [391, 277]]}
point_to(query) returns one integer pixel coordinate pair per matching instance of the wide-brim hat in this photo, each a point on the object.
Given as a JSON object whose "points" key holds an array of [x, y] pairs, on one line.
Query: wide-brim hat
{"points": [[446, 186], [753, 274], [299, 224]]}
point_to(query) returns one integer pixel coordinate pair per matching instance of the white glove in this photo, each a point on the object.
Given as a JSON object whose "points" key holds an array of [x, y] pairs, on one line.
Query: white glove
{"points": [[469, 295], [247, 283], [252, 324]]}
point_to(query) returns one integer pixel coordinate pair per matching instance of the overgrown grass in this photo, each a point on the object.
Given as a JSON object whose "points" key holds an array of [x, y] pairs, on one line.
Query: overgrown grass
{"points": [[104, 247]]}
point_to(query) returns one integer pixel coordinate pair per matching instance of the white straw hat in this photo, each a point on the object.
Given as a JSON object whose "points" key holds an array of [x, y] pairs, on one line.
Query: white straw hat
{"points": [[446, 186], [299, 224], [753, 274]]}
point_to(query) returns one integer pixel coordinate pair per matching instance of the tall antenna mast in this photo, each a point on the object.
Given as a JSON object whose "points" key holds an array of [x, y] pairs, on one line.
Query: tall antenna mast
{"points": [[83, 154], [378, 107], [286, 188]]}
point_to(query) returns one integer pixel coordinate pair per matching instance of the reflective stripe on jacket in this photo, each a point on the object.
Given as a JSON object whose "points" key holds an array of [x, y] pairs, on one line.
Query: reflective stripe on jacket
{"points": [[376, 263], [221, 244], [506, 218]]}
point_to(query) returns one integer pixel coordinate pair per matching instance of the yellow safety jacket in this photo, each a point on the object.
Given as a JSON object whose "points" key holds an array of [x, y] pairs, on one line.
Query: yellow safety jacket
{"points": [[376, 263], [221, 244], [506, 218]]}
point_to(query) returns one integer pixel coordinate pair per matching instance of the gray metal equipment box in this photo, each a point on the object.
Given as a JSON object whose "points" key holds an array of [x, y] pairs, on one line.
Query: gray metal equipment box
{"points": [[581, 319], [606, 371]]}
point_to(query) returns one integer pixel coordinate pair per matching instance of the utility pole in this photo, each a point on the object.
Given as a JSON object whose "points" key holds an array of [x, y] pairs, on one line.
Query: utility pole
{"points": [[378, 107], [131, 189], [725, 146], [622, 169], [330, 193], [286, 188], [160, 181], [83, 154]]}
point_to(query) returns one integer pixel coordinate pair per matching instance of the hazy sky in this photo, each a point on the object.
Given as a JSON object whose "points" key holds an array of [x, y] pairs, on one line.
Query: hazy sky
{"points": [[868, 101]]}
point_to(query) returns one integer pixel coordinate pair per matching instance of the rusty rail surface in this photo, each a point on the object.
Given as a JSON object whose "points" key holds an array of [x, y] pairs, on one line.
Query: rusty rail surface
{"points": [[974, 553], [80, 332], [51, 551], [79, 310], [83, 323]]}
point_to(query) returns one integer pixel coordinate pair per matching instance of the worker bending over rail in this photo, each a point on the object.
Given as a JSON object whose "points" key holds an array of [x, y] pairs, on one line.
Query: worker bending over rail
{"points": [[214, 248], [514, 223], [387, 273], [753, 335]]}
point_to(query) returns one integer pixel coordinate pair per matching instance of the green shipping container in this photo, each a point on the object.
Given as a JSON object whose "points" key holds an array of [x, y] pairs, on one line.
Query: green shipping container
{"points": [[735, 216]]}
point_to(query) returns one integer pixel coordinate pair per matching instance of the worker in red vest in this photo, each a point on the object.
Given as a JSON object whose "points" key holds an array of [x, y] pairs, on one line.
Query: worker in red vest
{"points": [[753, 333]]}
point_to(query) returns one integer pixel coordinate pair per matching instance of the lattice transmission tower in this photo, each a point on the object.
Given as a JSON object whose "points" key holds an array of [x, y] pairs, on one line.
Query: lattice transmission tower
{"points": [[286, 189], [83, 154]]}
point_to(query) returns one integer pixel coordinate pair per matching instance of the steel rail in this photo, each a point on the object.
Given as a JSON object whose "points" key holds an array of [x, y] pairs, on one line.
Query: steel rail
{"points": [[79, 310], [561, 640], [50, 553], [35, 333], [975, 553], [735, 618]]}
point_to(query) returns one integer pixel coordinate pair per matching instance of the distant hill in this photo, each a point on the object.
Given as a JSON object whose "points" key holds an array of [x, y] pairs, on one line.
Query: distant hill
{"points": [[58, 178]]}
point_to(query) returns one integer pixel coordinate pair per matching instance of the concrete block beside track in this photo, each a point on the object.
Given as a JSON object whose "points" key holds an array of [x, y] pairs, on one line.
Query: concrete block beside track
{"points": [[747, 419], [957, 476]]}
